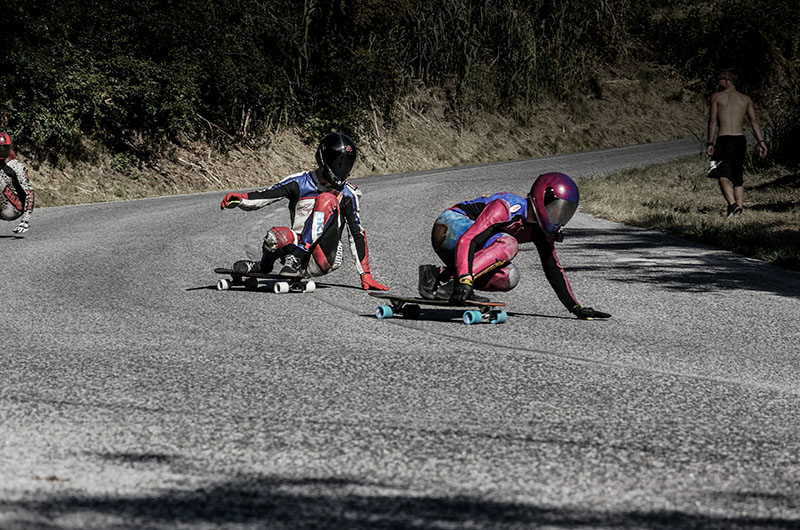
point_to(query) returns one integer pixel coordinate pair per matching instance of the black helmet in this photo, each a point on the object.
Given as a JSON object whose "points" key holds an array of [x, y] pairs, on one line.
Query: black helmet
{"points": [[336, 155]]}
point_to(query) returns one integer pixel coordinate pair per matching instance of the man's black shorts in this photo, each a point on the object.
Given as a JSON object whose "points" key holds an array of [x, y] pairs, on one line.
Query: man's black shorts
{"points": [[728, 159]]}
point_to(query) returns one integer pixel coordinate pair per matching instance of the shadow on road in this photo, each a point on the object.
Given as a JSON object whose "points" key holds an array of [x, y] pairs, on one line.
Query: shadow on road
{"points": [[337, 503], [676, 264]]}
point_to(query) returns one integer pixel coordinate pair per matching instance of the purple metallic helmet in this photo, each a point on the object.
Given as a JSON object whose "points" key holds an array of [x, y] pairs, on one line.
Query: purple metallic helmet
{"points": [[554, 197]]}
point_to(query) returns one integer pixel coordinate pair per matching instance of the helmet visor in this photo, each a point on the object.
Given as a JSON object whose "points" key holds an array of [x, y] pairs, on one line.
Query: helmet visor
{"points": [[339, 167], [560, 211], [5, 151]]}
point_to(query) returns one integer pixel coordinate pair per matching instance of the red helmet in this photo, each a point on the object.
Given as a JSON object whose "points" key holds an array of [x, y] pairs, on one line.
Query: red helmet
{"points": [[554, 197], [5, 146]]}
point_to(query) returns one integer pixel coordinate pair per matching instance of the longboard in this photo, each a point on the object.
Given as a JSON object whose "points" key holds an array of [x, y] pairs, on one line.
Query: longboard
{"points": [[409, 307], [279, 284]]}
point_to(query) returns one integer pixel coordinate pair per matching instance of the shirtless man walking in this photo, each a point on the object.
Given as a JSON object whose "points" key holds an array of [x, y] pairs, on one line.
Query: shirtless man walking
{"points": [[728, 109]]}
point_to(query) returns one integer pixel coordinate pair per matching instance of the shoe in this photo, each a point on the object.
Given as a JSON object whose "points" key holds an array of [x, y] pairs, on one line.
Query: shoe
{"points": [[445, 290], [245, 266], [291, 266], [734, 209], [428, 281]]}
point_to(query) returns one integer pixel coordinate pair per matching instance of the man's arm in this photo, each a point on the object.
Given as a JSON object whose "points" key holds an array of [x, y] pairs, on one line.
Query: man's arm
{"points": [[751, 115], [253, 200], [358, 244], [712, 125]]}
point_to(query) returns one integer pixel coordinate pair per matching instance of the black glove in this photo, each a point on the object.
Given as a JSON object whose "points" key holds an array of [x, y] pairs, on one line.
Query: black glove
{"points": [[587, 313], [463, 290]]}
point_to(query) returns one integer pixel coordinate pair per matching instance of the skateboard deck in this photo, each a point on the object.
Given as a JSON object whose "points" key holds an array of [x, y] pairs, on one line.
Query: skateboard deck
{"points": [[409, 307], [277, 283]]}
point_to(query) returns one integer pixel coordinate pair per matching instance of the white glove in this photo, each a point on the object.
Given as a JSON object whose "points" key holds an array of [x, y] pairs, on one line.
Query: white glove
{"points": [[23, 227]]}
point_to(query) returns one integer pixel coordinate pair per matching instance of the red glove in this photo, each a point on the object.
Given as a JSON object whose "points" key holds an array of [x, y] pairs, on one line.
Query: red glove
{"points": [[232, 200], [368, 282]]}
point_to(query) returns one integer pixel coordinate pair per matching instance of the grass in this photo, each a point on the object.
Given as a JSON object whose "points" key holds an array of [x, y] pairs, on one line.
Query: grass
{"points": [[677, 198]]}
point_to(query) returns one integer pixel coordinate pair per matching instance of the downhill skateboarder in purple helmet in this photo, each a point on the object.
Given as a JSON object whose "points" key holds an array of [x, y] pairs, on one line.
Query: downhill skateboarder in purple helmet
{"points": [[477, 240]]}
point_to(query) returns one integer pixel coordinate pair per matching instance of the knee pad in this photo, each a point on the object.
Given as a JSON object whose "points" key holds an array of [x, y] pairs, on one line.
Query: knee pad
{"points": [[503, 279], [278, 237], [10, 205]]}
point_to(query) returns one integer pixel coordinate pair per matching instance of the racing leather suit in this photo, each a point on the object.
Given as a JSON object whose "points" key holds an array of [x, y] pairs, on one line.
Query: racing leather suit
{"points": [[482, 236]]}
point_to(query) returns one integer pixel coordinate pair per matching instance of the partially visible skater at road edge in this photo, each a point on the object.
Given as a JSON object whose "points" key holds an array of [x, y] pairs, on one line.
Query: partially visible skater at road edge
{"points": [[16, 192]]}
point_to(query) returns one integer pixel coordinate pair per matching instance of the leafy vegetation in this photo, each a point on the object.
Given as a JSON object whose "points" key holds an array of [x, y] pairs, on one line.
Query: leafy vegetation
{"points": [[139, 76]]}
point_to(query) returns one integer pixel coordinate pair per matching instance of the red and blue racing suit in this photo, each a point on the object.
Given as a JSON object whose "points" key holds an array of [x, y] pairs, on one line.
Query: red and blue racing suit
{"points": [[16, 192], [318, 216]]}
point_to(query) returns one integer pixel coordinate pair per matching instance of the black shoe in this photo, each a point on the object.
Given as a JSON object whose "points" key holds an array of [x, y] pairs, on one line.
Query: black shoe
{"points": [[738, 210], [445, 290], [245, 266], [291, 266], [428, 281]]}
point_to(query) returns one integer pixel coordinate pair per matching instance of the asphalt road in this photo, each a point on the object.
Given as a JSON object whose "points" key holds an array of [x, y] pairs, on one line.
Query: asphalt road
{"points": [[135, 395]]}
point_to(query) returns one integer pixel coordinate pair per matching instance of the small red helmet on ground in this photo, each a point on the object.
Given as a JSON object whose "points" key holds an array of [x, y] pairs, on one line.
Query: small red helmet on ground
{"points": [[554, 197]]}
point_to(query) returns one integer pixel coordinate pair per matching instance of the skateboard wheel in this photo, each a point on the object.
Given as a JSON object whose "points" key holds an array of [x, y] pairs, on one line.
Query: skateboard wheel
{"points": [[251, 284], [281, 287], [411, 311], [384, 311], [498, 317], [310, 287], [223, 285], [470, 317]]}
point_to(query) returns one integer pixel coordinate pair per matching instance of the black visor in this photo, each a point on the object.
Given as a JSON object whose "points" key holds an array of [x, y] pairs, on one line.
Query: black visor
{"points": [[5, 151], [560, 211]]}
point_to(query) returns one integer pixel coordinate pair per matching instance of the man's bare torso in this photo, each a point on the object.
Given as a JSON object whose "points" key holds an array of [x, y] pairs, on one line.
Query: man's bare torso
{"points": [[731, 110]]}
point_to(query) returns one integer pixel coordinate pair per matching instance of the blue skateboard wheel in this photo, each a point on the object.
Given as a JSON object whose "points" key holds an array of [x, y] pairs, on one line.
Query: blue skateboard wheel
{"points": [[384, 311], [499, 317], [472, 316]]}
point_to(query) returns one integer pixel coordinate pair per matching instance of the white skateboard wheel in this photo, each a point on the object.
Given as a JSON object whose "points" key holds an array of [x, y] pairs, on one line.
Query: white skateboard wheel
{"points": [[311, 286], [223, 285], [281, 288]]}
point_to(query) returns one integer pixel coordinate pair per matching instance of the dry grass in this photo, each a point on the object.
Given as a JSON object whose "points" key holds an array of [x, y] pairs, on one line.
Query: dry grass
{"points": [[678, 198], [633, 108]]}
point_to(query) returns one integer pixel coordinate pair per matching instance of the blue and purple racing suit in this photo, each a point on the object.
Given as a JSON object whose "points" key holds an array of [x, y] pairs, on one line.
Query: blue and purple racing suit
{"points": [[482, 236]]}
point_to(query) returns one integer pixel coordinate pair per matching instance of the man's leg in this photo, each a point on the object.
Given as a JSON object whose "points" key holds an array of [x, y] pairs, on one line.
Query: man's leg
{"points": [[491, 268], [733, 196], [319, 243], [727, 190], [278, 239], [738, 194], [495, 260]]}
